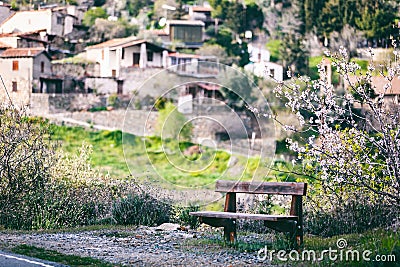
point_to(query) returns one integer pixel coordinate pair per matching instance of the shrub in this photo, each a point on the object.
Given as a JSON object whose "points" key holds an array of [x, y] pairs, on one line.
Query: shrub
{"points": [[183, 218], [141, 209], [327, 216], [25, 156]]}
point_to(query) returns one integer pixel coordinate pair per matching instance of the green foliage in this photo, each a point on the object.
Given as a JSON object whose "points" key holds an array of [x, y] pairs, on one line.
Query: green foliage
{"points": [[325, 216], [238, 91], [171, 124], [293, 54], [182, 216], [25, 156], [92, 14], [141, 209], [273, 47], [374, 18]]}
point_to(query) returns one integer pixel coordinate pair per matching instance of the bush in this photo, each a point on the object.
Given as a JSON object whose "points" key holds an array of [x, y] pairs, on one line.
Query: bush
{"points": [[25, 156], [141, 209], [329, 216], [183, 218]]}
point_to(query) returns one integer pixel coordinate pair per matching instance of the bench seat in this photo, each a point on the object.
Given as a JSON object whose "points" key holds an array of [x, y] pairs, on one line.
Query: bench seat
{"points": [[246, 216], [292, 223]]}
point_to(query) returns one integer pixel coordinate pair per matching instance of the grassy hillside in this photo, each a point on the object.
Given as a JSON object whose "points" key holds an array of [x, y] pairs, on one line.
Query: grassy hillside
{"points": [[118, 154]]}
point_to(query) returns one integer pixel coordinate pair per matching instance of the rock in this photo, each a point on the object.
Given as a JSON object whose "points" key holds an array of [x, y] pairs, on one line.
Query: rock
{"points": [[168, 227]]}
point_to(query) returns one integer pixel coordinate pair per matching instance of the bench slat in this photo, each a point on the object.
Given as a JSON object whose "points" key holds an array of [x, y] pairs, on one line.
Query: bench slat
{"points": [[247, 216], [277, 188]]}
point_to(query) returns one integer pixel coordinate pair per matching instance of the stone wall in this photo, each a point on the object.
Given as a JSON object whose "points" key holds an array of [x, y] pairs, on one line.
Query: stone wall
{"points": [[76, 69], [59, 103]]}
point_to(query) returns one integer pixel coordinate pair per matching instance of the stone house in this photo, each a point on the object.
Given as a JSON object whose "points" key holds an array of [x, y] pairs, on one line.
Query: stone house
{"points": [[25, 71]]}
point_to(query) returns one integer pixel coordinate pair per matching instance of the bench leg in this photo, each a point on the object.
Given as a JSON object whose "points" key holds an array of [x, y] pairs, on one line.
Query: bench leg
{"points": [[228, 224], [230, 231]]}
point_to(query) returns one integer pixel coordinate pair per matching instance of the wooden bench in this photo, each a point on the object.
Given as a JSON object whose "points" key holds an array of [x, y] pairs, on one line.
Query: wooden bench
{"points": [[292, 223]]}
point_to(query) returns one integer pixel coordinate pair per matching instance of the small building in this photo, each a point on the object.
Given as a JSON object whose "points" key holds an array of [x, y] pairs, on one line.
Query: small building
{"points": [[185, 33], [129, 52], [258, 54], [266, 69], [23, 71], [201, 13], [32, 39], [54, 21]]}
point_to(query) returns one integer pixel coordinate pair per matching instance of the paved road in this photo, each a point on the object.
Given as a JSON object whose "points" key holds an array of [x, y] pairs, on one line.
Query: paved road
{"points": [[14, 260]]}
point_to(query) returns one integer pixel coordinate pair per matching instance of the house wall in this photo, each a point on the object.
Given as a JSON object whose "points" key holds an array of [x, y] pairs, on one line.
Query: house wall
{"points": [[101, 85], [11, 41], [68, 24], [37, 71], [22, 77], [128, 55], [57, 27], [76, 70], [26, 21], [186, 33]]}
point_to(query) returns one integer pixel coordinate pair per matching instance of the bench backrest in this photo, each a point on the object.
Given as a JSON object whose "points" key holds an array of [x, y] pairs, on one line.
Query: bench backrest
{"points": [[272, 188]]}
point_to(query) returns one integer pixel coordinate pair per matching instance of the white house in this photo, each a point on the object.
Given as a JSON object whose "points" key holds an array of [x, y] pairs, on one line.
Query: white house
{"points": [[128, 52], [258, 54], [53, 21], [24, 71], [266, 69]]}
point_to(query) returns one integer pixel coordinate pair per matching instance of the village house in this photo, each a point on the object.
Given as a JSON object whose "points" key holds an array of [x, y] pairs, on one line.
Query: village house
{"points": [[266, 69], [201, 13], [185, 33], [25, 39], [59, 21], [25, 71], [115, 54]]}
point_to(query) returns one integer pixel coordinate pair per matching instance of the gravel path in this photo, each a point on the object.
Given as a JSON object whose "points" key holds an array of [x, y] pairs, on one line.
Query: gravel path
{"points": [[144, 246]]}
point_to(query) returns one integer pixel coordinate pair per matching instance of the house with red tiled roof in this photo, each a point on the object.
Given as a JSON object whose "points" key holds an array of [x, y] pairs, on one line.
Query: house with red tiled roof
{"points": [[26, 39], [25, 71], [129, 52]]}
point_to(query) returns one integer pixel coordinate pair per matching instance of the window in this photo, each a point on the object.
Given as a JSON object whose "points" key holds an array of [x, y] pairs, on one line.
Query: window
{"points": [[272, 73], [114, 73], [59, 20], [102, 54], [42, 67], [14, 86], [149, 56], [136, 59], [15, 65], [123, 53]]}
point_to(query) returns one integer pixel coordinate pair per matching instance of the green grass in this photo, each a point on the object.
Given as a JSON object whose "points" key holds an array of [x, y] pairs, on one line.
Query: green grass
{"points": [[54, 256], [118, 153]]}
